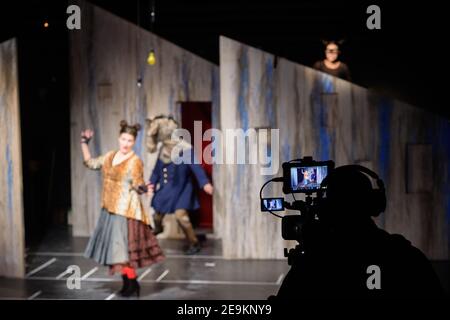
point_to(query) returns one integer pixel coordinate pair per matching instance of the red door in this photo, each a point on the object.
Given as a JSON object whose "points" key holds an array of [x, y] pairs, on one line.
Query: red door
{"points": [[200, 111]]}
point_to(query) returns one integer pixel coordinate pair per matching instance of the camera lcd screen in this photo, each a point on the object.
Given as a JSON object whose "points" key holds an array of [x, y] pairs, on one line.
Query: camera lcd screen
{"points": [[307, 178], [272, 204]]}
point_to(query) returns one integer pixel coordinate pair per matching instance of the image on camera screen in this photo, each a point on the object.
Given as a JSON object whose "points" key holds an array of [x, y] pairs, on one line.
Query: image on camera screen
{"points": [[275, 204], [307, 178]]}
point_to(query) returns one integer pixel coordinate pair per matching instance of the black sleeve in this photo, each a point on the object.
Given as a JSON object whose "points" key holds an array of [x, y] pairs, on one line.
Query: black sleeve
{"points": [[427, 283], [346, 72], [317, 65]]}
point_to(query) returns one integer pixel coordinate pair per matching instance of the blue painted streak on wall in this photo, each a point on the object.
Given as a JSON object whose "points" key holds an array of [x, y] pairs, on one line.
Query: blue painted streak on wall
{"points": [[243, 113], [324, 136], [269, 101], [243, 90], [326, 84], [269, 89], [215, 94]]}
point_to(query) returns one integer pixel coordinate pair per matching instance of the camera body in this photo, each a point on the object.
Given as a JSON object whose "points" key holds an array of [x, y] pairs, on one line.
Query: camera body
{"points": [[299, 176]]}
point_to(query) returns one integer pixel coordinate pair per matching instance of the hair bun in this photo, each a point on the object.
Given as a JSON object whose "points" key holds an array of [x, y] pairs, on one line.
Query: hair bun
{"points": [[123, 123], [137, 126]]}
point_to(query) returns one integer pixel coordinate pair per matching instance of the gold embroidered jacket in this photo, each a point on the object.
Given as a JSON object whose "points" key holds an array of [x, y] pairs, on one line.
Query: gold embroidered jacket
{"points": [[119, 181]]}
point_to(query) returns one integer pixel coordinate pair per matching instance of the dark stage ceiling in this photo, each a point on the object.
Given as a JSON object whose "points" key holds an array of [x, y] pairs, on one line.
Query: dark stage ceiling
{"points": [[405, 59]]}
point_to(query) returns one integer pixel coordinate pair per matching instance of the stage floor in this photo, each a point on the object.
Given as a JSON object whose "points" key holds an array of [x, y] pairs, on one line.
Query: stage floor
{"points": [[206, 275]]}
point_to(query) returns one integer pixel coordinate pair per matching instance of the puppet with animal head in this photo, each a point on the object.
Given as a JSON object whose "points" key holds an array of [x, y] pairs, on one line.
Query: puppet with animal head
{"points": [[174, 191]]}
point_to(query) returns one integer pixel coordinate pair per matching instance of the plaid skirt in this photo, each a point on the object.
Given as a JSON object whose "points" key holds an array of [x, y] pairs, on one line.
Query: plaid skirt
{"points": [[118, 241]]}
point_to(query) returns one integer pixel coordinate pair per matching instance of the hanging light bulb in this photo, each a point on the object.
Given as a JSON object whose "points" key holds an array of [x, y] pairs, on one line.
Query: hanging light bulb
{"points": [[151, 59], [139, 82]]}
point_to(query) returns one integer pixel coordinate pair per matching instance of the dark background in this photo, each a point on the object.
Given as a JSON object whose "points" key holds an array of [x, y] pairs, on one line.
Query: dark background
{"points": [[406, 59]]}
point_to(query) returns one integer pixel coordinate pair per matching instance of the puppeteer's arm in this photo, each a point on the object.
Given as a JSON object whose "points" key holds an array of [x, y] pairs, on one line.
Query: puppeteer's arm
{"points": [[201, 176], [154, 178]]}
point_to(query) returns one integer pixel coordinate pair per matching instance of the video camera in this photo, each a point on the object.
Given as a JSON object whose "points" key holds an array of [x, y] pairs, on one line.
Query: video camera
{"points": [[299, 176]]}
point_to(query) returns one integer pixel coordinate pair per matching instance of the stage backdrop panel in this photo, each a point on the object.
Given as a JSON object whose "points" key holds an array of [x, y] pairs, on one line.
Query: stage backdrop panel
{"points": [[328, 118], [108, 56], [12, 240]]}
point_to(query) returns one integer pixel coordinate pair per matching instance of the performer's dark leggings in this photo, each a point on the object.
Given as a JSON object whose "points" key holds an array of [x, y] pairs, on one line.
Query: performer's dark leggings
{"points": [[182, 217]]}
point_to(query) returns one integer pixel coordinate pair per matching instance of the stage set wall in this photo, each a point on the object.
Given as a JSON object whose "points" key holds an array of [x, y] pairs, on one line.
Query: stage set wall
{"points": [[12, 241], [107, 56], [328, 118], [317, 115]]}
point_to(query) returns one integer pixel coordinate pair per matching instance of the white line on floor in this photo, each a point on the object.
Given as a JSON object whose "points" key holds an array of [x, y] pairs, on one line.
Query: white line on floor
{"points": [[112, 295], [57, 254], [262, 283], [89, 273], [62, 274], [80, 254], [247, 283], [280, 278], [162, 275], [180, 256], [45, 265], [146, 272], [34, 295]]}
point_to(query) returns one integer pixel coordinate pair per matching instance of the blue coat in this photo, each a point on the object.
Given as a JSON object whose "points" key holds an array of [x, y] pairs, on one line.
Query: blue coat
{"points": [[176, 188]]}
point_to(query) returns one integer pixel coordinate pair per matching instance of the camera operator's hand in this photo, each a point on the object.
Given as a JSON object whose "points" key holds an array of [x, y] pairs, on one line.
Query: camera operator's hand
{"points": [[208, 188]]}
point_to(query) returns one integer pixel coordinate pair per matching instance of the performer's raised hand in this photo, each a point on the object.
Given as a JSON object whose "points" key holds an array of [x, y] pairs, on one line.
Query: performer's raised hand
{"points": [[208, 188], [86, 135]]}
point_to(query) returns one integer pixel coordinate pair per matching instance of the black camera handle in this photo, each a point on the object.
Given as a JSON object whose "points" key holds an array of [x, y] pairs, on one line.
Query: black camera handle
{"points": [[296, 205], [277, 179], [294, 253]]}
